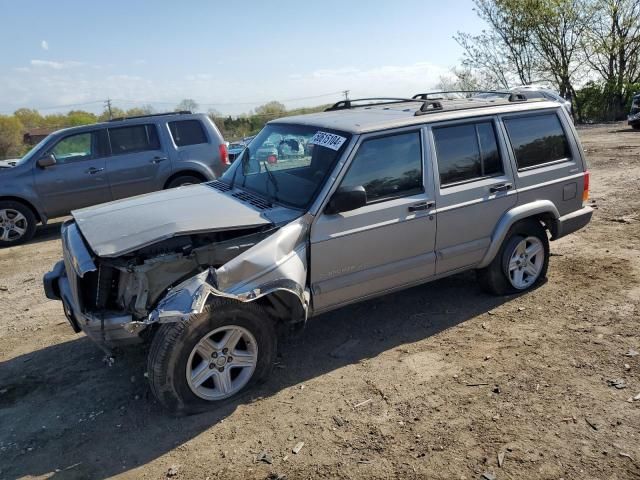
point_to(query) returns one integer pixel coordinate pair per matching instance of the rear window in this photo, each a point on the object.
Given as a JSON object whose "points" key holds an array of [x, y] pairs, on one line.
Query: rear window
{"points": [[135, 138], [467, 152], [537, 139], [187, 132]]}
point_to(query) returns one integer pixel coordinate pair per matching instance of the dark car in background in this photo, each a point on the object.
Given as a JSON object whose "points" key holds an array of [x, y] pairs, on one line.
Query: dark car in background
{"points": [[634, 114], [92, 164]]}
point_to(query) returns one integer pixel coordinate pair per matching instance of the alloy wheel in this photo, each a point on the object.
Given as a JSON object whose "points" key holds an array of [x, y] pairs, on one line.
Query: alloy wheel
{"points": [[13, 225], [525, 263], [222, 362]]}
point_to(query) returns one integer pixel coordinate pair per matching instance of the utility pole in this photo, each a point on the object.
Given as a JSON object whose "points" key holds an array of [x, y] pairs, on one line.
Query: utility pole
{"points": [[107, 104], [346, 94]]}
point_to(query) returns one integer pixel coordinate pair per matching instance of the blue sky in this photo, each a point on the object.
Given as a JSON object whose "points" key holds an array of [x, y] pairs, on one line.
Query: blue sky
{"points": [[230, 56]]}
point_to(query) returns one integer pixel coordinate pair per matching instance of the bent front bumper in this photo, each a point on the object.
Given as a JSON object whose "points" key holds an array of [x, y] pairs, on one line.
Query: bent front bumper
{"points": [[64, 283]]}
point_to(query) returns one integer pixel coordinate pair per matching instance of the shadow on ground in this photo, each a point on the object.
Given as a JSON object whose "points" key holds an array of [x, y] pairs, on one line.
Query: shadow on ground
{"points": [[63, 411]]}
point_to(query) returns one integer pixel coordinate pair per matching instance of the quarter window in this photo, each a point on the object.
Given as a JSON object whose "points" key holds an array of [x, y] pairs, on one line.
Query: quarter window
{"points": [[187, 132], [467, 152], [387, 167], [136, 138], [537, 139]]}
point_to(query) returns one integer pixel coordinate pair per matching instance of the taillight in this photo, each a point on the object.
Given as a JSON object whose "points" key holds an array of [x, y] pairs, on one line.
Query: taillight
{"points": [[224, 154], [272, 159], [585, 190]]}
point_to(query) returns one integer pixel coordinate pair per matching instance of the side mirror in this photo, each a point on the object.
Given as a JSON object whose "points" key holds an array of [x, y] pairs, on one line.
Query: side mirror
{"points": [[47, 161], [346, 199]]}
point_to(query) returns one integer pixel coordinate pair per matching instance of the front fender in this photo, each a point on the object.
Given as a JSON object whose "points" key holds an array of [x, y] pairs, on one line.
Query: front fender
{"points": [[539, 207], [276, 264]]}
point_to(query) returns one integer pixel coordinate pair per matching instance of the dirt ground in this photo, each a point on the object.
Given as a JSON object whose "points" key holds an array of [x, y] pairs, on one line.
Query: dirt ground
{"points": [[439, 381]]}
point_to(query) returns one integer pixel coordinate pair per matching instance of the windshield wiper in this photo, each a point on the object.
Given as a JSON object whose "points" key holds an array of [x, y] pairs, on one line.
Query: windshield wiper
{"points": [[274, 181]]}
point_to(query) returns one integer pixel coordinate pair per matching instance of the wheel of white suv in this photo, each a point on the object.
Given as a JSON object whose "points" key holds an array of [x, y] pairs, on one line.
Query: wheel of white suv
{"points": [[212, 357], [521, 263], [17, 223]]}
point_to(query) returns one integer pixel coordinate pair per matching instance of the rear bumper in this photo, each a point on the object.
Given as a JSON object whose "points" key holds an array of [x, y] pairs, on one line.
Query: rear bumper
{"points": [[106, 330], [573, 222]]}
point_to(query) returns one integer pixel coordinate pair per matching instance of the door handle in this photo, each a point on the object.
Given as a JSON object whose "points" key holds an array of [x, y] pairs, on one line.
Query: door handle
{"points": [[501, 187], [93, 170], [421, 206], [157, 159]]}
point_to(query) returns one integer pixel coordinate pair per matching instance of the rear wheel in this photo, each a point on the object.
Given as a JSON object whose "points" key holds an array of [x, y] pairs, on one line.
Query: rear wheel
{"points": [[183, 180], [636, 126], [17, 223], [214, 356], [521, 263]]}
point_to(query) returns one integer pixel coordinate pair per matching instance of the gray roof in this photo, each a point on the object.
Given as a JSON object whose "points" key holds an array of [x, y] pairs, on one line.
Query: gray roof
{"points": [[381, 117]]}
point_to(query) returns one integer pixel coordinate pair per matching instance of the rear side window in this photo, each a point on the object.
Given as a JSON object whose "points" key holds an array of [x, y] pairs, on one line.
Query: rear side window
{"points": [[467, 152], [387, 167], [537, 139], [136, 138], [187, 132]]}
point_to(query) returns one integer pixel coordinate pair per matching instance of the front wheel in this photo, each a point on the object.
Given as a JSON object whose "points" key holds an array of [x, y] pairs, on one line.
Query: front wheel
{"points": [[213, 356], [522, 262], [17, 223]]}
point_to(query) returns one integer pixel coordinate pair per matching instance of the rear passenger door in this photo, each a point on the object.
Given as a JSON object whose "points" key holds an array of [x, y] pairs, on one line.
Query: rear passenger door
{"points": [[137, 163], [387, 243], [475, 188], [547, 157]]}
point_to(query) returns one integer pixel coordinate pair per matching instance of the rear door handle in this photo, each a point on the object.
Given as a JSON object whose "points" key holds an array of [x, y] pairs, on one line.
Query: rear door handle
{"points": [[158, 159], [94, 170], [501, 187], [421, 206]]}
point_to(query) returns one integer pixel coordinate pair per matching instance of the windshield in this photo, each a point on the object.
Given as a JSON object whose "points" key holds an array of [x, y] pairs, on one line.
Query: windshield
{"points": [[287, 163]]}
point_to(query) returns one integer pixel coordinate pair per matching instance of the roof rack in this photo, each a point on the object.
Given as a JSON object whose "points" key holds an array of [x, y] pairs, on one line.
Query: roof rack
{"points": [[513, 96], [181, 112], [373, 101]]}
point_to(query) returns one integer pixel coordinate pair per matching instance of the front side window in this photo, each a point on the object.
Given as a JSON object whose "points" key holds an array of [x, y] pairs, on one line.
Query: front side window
{"points": [[74, 148], [387, 167], [136, 138], [467, 152], [288, 163], [187, 132], [537, 139]]}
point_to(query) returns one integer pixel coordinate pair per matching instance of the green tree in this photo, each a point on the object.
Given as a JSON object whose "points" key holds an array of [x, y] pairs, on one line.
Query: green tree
{"points": [[79, 117], [11, 130], [188, 104], [29, 117], [272, 108]]}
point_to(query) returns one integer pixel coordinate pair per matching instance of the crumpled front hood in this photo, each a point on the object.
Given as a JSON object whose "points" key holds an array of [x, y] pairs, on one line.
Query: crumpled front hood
{"points": [[120, 227]]}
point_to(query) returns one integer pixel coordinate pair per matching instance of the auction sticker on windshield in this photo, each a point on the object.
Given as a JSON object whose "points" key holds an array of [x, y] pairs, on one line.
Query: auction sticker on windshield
{"points": [[329, 140]]}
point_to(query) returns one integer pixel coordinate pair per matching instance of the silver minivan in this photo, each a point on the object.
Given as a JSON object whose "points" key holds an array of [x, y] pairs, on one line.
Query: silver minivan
{"points": [[383, 195], [83, 166]]}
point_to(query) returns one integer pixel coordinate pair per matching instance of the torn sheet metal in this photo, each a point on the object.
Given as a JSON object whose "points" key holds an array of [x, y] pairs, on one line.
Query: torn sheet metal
{"points": [[277, 263]]}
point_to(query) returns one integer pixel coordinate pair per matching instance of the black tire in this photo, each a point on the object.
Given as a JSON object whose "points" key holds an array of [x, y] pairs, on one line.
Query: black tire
{"points": [[494, 278], [184, 180], [29, 218], [174, 342], [636, 126]]}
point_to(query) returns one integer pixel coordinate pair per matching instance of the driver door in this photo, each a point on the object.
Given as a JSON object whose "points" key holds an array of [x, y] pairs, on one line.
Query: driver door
{"points": [[78, 178], [386, 244]]}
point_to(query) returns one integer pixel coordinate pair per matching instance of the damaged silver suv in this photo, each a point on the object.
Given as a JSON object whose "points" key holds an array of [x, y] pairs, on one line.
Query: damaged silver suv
{"points": [[366, 198]]}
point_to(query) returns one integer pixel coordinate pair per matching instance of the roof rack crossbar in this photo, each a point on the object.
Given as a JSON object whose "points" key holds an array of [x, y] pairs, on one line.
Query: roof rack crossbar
{"points": [[513, 97], [428, 106], [181, 112], [373, 101]]}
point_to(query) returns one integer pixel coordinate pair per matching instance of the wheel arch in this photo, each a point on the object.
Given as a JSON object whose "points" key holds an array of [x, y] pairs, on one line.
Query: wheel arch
{"points": [[543, 211], [40, 217], [184, 173]]}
